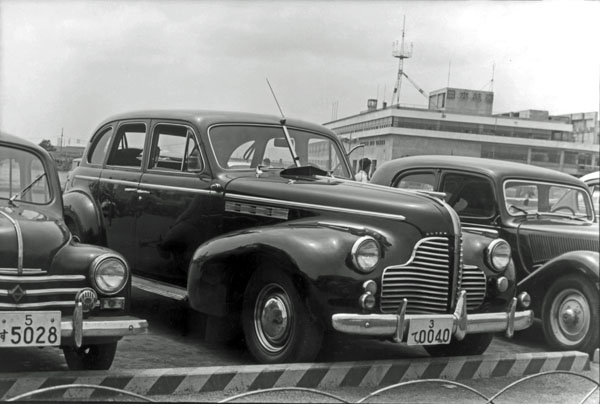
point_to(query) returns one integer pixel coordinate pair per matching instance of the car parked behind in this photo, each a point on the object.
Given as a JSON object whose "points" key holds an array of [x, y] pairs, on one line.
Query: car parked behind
{"points": [[545, 215], [54, 291], [592, 180], [257, 221]]}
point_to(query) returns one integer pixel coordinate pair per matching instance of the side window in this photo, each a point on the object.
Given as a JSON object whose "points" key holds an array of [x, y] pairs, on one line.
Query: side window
{"points": [[128, 145], [469, 195], [99, 147], [422, 181], [174, 149]]}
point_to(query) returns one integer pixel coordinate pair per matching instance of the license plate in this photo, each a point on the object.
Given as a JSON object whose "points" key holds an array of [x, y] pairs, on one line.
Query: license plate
{"points": [[430, 331], [29, 328]]}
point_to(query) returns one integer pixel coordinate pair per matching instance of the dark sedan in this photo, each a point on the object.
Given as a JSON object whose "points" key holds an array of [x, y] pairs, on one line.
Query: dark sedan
{"points": [[545, 215]]}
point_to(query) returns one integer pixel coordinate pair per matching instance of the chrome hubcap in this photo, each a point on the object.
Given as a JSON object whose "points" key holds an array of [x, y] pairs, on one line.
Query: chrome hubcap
{"points": [[272, 318], [570, 317]]}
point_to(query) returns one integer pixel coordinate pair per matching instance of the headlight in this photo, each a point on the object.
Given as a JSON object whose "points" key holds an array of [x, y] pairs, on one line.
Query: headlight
{"points": [[365, 254], [109, 274], [498, 255]]}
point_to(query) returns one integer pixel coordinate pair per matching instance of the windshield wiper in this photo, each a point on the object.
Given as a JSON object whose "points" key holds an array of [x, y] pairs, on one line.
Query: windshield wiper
{"points": [[27, 188], [519, 209]]}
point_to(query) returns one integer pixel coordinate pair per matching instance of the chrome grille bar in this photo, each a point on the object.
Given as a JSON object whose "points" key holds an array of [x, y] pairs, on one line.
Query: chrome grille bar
{"points": [[424, 280], [474, 283]]}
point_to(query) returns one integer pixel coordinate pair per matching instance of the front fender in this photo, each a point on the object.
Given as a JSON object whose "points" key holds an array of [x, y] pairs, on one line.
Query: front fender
{"points": [[221, 268], [84, 213], [585, 263]]}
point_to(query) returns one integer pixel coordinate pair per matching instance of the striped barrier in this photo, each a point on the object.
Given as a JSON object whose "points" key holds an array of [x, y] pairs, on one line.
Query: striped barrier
{"points": [[179, 381]]}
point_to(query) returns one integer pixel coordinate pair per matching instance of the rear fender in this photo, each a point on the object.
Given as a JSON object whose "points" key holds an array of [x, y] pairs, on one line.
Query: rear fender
{"points": [[584, 263], [81, 210], [221, 268]]}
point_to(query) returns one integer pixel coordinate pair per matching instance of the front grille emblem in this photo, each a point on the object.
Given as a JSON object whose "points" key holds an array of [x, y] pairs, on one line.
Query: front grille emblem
{"points": [[16, 293]]}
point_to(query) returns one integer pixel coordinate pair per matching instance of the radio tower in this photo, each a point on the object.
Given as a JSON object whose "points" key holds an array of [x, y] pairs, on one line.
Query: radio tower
{"points": [[400, 53]]}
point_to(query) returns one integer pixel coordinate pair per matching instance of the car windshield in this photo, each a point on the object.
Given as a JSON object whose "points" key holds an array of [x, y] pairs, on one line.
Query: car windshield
{"points": [[243, 147], [530, 197], [22, 177]]}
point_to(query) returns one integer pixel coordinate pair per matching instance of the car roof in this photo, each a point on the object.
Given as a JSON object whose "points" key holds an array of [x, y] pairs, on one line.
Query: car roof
{"points": [[493, 168], [5, 137], [206, 118], [591, 176]]}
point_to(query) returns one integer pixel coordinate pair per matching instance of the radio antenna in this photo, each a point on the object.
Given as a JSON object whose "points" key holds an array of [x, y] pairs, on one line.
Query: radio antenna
{"points": [[276, 102]]}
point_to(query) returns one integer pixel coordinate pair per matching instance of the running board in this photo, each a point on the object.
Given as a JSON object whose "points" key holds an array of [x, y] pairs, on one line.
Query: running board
{"points": [[159, 288]]}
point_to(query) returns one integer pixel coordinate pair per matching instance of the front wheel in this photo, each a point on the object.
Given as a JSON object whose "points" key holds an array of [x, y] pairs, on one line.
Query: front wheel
{"points": [[570, 314], [90, 357], [277, 325], [473, 344]]}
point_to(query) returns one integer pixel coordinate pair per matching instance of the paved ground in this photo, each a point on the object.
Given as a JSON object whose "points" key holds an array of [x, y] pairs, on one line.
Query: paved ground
{"points": [[176, 339]]}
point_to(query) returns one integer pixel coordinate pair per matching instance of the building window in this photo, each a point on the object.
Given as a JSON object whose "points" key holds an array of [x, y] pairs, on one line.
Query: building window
{"points": [[464, 95], [477, 97], [451, 94]]}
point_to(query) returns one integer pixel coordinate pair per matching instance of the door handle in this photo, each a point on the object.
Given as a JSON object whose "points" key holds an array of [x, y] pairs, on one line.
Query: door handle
{"points": [[142, 191], [130, 189]]}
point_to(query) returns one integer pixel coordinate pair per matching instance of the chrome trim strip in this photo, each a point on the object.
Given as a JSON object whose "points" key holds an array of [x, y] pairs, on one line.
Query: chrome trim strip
{"points": [[171, 188], [70, 303], [26, 271], [86, 177], [257, 210], [482, 230], [313, 206], [19, 241], [43, 292], [159, 288], [119, 182], [34, 279]]}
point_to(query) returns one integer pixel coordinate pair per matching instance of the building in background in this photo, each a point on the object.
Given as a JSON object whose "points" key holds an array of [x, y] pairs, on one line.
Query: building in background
{"points": [[460, 122]]}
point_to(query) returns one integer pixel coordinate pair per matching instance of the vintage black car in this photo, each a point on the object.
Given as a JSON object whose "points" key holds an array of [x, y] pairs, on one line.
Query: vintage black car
{"points": [[257, 220], [55, 291], [545, 215]]}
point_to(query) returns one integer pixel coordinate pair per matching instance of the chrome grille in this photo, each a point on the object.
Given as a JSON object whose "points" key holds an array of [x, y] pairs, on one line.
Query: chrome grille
{"points": [[424, 280], [39, 292], [474, 283]]}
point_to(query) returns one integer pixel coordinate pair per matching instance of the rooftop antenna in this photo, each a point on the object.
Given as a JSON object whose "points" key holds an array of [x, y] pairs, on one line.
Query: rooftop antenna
{"points": [[277, 102], [285, 132], [493, 71], [400, 53], [449, 66]]}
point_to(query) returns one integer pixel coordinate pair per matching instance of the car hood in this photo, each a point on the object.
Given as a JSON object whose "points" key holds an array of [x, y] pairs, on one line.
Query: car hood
{"points": [[550, 238], [359, 202], [41, 236]]}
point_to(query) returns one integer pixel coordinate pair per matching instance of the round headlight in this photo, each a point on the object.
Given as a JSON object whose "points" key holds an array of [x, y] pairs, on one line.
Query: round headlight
{"points": [[498, 255], [109, 274], [365, 254]]}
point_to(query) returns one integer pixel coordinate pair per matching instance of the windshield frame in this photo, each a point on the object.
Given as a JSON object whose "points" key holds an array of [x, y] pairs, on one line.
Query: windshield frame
{"points": [[588, 200], [46, 174], [340, 150]]}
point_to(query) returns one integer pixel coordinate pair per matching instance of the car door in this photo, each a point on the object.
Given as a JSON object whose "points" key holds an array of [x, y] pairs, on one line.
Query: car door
{"points": [[178, 211], [117, 193]]}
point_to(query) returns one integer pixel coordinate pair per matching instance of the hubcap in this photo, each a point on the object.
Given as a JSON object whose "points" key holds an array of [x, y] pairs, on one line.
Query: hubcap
{"points": [[273, 318], [570, 318]]}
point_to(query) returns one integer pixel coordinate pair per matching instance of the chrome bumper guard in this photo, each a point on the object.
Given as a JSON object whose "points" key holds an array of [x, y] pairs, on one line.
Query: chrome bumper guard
{"points": [[78, 328], [396, 325]]}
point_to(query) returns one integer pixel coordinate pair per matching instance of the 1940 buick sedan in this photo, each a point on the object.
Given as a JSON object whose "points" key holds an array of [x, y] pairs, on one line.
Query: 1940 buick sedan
{"points": [[546, 216], [54, 291], [258, 219]]}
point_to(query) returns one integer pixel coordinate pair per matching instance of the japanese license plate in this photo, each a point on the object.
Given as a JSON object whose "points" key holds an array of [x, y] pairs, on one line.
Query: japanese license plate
{"points": [[29, 328], [430, 331]]}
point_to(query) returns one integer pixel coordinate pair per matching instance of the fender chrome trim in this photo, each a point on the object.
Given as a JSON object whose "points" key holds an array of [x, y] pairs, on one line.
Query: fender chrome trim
{"points": [[313, 206], [159, 288], [19, 241]]}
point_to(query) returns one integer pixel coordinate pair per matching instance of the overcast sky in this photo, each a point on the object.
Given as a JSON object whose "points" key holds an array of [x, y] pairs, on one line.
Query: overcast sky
{"points": [[71, 64]]}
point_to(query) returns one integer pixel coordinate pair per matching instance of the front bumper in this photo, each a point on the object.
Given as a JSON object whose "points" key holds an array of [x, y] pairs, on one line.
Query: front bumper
{"points": [[397, 325], [102, 327]]}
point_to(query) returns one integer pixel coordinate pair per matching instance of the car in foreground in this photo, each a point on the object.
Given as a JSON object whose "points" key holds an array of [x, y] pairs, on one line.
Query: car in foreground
{"points": [[257, 221], [54, 291], [545, 215]]}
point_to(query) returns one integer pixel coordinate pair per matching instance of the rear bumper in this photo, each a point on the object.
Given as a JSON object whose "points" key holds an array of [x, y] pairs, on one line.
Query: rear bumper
{"points": [[397, 325]]}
